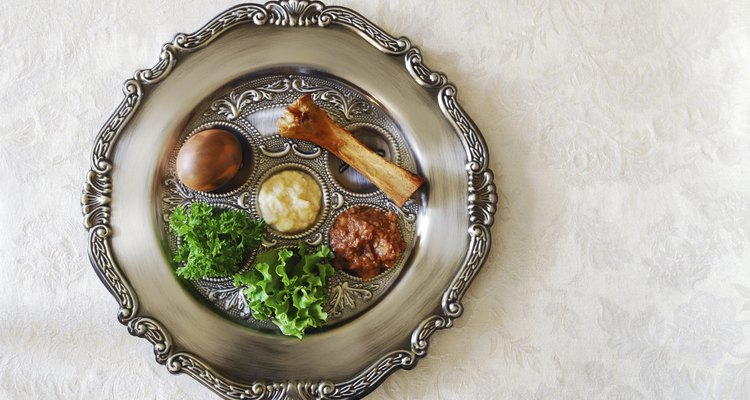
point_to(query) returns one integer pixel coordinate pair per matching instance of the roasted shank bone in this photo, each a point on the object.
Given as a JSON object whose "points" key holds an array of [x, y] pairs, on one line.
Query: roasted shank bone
{"points": [[303, 119]]}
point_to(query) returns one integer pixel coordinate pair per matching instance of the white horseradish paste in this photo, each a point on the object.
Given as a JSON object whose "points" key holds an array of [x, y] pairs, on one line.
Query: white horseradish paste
{"points": [[289, 201]]}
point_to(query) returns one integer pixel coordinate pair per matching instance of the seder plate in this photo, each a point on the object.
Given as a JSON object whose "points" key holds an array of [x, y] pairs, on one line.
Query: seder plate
{"points": [[239, 72], [250, 110]]}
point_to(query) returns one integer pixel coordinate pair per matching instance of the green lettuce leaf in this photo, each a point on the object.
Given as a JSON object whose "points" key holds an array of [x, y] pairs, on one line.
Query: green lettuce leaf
{"points": [[213, 241], [289, 287]]}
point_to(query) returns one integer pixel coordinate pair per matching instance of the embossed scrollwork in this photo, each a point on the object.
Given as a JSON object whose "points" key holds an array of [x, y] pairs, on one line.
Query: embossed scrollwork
{"points": [[337, 200], [482, 193], [479, 242], [420, 337], [97, 192], [482, 197], [96, 198], [315, 240], [423, 75], [100, 255], [188, 364], [315, 153], [294, 12], [243, 201], [312, 390], [254, 13], [176, 194], [409, 217], [346, 296], [373, 375], [232, 298], [167, 60], [304, 390], [482, 200], [152, 331], [476, 149], [366, 29], [276, 153], [343, 102], [233, 106]]}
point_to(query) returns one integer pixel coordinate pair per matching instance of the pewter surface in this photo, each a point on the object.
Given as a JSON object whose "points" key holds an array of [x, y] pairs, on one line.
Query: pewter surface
{"points": [[250, 110], [121, 204]]}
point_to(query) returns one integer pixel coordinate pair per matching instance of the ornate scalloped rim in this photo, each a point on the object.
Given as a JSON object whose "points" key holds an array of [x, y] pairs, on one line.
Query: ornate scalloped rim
{"points": [[97, 190]]}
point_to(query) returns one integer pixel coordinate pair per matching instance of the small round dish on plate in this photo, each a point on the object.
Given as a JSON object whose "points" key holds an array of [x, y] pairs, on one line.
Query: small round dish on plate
{"points": [[237, 74]]}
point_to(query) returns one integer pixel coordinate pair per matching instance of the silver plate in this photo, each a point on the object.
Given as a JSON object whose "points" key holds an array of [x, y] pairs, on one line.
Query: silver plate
{"points": [[238, 71], [250, 109]]}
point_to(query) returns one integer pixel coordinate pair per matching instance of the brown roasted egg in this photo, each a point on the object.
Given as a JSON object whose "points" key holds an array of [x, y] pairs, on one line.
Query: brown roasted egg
{"points": [[209, 159]]}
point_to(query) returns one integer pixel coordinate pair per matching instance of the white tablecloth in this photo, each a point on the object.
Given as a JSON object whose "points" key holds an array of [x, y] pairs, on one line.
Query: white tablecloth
{"points": [[619, 133]]}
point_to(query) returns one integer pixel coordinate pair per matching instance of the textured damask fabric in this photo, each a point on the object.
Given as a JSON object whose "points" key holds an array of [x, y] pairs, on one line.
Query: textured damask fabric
{"points": [[619, 132]]}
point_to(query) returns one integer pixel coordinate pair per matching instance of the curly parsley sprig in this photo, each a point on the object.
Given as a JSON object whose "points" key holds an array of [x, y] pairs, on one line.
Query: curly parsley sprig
{"points": [[213, 242]]}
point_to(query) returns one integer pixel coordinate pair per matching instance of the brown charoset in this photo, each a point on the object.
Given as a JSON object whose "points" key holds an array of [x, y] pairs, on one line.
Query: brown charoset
{"points": [[366, 241]]}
